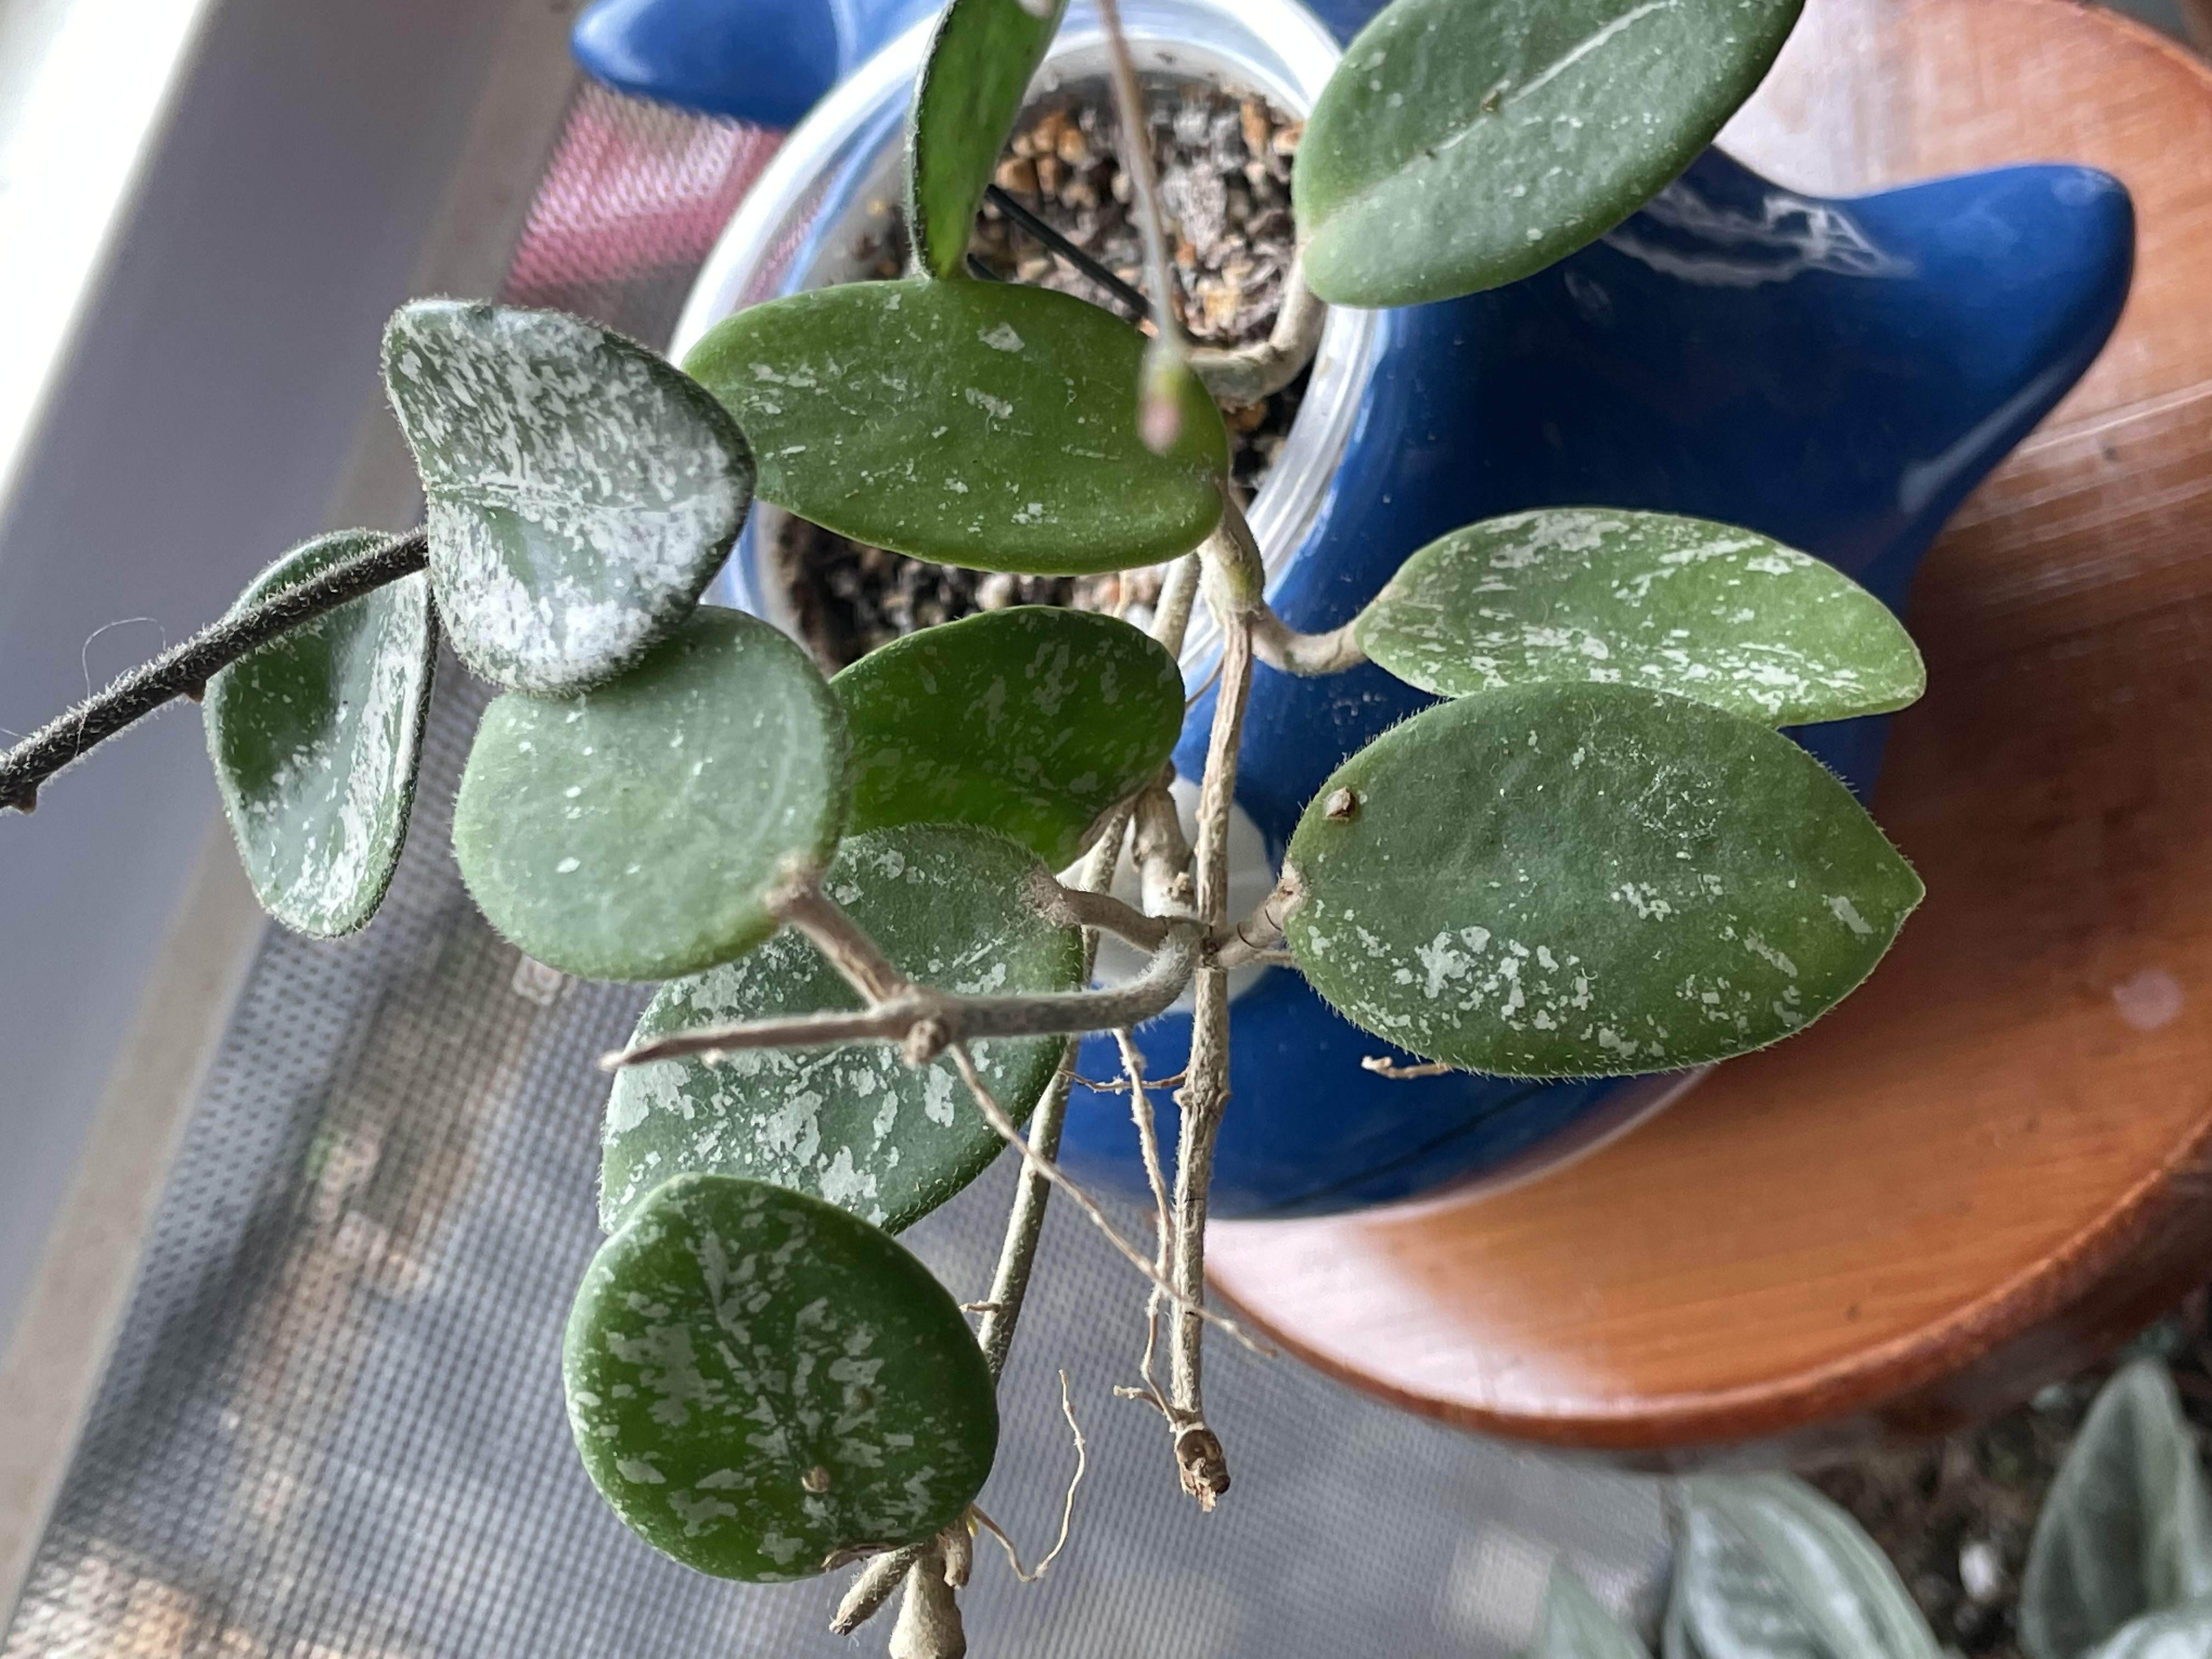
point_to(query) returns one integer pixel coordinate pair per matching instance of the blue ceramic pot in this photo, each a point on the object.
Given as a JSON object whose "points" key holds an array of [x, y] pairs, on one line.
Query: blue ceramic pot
{"points": [[1837, 374]]}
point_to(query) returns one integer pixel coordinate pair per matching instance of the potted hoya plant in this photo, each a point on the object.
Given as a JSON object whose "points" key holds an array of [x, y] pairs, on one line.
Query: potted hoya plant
{"points": [[873, 900], [1734, 350]]}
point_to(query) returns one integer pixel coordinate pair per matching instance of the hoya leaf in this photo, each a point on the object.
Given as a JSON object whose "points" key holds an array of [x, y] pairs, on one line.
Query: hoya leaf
{"points": [[1032, 720], [2127, 1527], [980, 63], [582, 493], [982, 424], [759, 1380], [1573, 1625], [1463, 144], [316, 740], [1701, 610], [2183, 1634], [635, 831], [1768, 1566], [1573, 880], [953, 908]]}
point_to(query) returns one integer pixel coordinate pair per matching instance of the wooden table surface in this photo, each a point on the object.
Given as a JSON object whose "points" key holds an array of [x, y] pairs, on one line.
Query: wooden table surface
{"points": [[1997, 1158]]}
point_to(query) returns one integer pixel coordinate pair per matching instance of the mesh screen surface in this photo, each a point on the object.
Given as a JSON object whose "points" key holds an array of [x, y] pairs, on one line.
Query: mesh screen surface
{"points": [[333, 1424]]}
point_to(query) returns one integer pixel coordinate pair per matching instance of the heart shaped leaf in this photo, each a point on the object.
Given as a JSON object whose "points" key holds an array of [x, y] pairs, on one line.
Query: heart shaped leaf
{"points": [[1701, 610], [972, 423], [316, 738], [1768, 1566], [855, 1124], [2127, 1528], [1463, 144], [1588, 881], [980, 63], [635, 831], [1573, 1625], [758, 1381], [582, 493], [2183, 1634], [1032, 721]]}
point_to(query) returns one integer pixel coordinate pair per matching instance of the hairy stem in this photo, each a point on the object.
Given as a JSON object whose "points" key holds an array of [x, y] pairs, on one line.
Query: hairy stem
{"points": [[801, 904], [929, 1625], [994, 1334], [1072, 907], [927, 1021], [1204, 1094], [996, 1115], [1283, 649], [185, 670], [1248, 374]]}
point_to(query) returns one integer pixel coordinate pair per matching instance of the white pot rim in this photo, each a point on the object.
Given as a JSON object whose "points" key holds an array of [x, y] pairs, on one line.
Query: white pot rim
{"points": [[1277, 47]]}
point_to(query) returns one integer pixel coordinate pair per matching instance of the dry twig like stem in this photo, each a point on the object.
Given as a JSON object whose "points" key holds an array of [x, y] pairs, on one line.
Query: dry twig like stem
{"points": [[1075, 906], [1148, 1145], [927, 1021], [800, 903], [1009, 1132], [185, 670], [1258, 937], [1204, 1096]]}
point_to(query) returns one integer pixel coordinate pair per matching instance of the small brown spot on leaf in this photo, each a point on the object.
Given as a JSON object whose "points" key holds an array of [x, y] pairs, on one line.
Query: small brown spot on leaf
{"points": [[1342, 806]]}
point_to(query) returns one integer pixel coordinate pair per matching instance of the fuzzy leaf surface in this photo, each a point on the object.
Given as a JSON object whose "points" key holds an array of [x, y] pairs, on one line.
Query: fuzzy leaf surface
{"points": [[854, 1125], [1588, 880], [316, 740], [1031, 721], [1768, 1566], [1572, 1624], [982, 424], [2127, 1528], [1462, 144], [2183, 1633], [980, 63], [1702, 609], [582, 493], [635, 831], [736, 1345]]}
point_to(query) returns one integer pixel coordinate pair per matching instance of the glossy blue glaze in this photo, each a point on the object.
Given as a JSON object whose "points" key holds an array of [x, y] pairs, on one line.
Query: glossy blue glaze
{"points": [[764, 61], [1837, 374]]}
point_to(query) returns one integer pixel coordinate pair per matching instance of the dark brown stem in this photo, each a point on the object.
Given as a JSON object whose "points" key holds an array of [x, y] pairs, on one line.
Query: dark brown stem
{"points": [[185, 671]]}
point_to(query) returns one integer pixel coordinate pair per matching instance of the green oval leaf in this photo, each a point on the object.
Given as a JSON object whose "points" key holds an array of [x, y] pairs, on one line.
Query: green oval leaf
{"points": [[1702, 609], [2183, 1634], [854, 1125], [1031, 721], [980, 63], [1464, 143], [1573, 1624], [635, 831], [316, 740], [757, 1380], [982, 424], [1768, 1566], [2127, 1527], [1588, 881], [582, 493]]}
